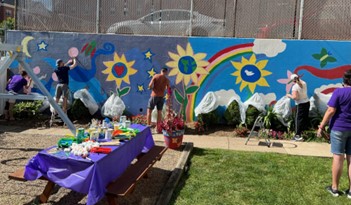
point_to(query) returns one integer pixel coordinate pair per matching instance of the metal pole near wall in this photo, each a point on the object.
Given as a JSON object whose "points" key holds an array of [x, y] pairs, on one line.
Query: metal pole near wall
{"points": [[97, 29], [302, 2], [191, 17]]}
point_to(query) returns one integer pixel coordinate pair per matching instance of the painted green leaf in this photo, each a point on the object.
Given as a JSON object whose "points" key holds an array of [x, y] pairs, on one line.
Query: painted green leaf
{"points": [[324, 52], [191, 89], [124, 91], [179, 97], [330, 59], [317, 56], [323, 63]]}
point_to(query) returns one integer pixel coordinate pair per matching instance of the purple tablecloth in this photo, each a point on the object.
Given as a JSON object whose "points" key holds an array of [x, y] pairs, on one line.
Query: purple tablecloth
{"points": [[85, 176]]}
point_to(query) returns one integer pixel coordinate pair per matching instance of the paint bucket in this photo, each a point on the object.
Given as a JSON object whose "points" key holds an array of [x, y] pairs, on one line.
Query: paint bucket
{"points": [[94, 135], [108, 134]]}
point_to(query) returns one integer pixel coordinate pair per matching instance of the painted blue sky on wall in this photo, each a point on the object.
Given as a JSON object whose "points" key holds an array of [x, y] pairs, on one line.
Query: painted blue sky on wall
{"points": [[227, 66]]}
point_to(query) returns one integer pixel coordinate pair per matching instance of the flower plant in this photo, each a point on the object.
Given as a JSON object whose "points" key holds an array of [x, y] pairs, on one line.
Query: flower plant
{"points": [[173, 123]]}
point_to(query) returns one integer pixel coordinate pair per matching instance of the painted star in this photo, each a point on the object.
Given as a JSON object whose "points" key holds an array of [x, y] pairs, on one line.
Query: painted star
{"points": [[166, 96], [42, 46], [140, 88], [151, 72], [148, 55]]}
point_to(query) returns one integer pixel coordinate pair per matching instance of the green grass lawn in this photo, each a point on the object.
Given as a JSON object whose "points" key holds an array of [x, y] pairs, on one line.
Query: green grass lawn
{"points": [[234, 177]]}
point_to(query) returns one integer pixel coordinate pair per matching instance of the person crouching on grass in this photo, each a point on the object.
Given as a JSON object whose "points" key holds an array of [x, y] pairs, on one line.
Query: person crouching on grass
{"points": [[15, 85]]}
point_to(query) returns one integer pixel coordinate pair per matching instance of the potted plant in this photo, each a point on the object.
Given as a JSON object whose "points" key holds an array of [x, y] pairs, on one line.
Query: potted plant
{"points": [[172, 125]]}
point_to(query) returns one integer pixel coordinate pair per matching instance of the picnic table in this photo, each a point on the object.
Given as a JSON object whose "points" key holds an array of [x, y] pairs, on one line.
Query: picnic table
{"points": [[88, 176]]}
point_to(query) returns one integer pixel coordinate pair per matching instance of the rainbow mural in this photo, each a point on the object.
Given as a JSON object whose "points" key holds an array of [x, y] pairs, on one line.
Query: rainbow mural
{"points": [[226, 66]]}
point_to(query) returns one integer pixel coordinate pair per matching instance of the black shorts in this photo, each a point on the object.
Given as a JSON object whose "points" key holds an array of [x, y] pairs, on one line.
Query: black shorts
{"points": [[156, 101]]}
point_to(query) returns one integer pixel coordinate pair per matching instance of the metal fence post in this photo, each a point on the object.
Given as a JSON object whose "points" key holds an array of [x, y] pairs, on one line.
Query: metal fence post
{"points": [[302, 2], [97, 28], [191, 17]]}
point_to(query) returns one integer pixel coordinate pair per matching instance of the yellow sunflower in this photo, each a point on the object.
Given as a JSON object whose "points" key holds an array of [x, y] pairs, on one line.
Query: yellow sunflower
{"points": [[250, 73], [119, 69], [187, 65]]}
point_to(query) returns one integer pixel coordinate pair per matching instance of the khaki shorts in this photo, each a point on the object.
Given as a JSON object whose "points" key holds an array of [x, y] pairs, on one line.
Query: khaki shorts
{"points": [[62, 89]]}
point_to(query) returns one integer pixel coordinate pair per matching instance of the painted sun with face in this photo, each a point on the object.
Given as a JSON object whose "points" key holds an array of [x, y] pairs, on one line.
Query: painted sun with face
{"points": [[119, 69], [186, 65], [251, 73]]}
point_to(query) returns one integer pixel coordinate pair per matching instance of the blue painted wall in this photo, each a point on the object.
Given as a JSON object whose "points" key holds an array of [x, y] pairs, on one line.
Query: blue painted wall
{"points": [[226, 66]]}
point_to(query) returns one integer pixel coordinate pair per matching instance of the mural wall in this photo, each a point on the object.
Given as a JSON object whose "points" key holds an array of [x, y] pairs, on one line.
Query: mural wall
{"points": [[226, 66]]}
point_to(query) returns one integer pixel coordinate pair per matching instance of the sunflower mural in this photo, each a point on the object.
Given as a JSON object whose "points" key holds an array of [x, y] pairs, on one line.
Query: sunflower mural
{"points": [[187, 67], [250, 73], [119, 70]]}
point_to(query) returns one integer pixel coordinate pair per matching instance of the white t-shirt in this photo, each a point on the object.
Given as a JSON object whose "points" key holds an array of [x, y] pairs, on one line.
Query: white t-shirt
{"points": [[302, 92]]}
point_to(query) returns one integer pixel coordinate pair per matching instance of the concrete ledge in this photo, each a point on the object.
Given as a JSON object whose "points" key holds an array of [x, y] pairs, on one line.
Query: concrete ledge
{"points": [[177, 173]]}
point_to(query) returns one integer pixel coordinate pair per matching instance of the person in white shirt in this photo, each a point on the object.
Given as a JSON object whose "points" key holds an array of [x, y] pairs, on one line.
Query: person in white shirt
{"points": [[299, 95]]}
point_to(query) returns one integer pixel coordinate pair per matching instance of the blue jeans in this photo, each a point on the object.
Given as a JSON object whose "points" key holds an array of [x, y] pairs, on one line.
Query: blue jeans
{"points": [[340, 142]]}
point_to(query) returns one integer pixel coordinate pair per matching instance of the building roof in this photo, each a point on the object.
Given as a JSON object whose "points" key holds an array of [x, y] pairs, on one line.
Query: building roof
{"points": [[12, 2]]}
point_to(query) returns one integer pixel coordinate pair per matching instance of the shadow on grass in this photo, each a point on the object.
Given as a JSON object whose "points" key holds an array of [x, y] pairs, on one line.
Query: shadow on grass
{"points": [[185, 176]]}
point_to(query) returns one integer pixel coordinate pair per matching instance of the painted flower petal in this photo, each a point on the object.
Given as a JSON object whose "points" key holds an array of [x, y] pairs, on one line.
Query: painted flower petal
{"points": [[179, 78], [261, 64], [173, 72], [186, 79], [252, 60], [238, 65], [174, 56], [189, 50], [181, 51]]}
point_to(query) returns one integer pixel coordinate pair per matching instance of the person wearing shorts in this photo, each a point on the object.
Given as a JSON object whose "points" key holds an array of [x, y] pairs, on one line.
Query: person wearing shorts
{"points": [[62, 88], [338, 115], [14, 86], [158, 84]]}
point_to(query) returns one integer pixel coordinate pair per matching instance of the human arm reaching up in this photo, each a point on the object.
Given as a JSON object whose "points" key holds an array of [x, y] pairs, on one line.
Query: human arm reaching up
{"points": [[73, 65]]}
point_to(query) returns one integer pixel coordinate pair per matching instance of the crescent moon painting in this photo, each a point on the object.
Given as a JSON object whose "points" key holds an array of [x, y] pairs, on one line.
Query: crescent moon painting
{"points": [[25, 45]]}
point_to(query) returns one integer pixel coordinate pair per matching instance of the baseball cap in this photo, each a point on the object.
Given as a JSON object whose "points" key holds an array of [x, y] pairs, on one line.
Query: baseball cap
{"points": [[58, 61], [293, 76]]}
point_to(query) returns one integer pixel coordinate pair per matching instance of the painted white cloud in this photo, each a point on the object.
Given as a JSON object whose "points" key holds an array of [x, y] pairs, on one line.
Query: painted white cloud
{"points": [[224, 96], [268, 98], [269, 47], [324, 87]]}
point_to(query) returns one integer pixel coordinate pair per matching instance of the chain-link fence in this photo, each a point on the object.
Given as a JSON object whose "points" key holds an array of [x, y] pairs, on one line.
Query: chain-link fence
{"points": [[287, 19]]}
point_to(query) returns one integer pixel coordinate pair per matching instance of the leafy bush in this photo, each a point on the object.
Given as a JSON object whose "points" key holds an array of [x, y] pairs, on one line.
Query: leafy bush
{"points": [[139, 119], [241, 131], [78, 111], [27, 109], [209, 119], [271, 121], [232, 114], [251, 114]]}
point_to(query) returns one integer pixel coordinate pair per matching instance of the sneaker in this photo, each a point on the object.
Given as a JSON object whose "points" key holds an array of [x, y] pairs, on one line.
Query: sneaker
{"points": [[348, 193], [333, 192], [297, 138]]}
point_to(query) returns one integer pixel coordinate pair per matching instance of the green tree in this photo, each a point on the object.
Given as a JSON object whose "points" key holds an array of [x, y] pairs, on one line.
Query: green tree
{"points": [[7, 24]]}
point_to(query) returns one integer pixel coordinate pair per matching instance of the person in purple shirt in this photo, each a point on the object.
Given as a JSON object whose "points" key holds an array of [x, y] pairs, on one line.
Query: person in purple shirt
{"points": [[338, 115], [15, 85]]}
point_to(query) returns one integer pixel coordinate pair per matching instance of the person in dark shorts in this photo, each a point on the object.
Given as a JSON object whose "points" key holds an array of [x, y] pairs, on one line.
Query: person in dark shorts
{"points": [[15, 86], [158, 85], [62, 88], [338, 117]]}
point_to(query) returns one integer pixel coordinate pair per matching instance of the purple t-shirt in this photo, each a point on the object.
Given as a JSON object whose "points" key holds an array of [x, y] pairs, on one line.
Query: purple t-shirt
{"points": [[16, 83], [341, 100]]}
